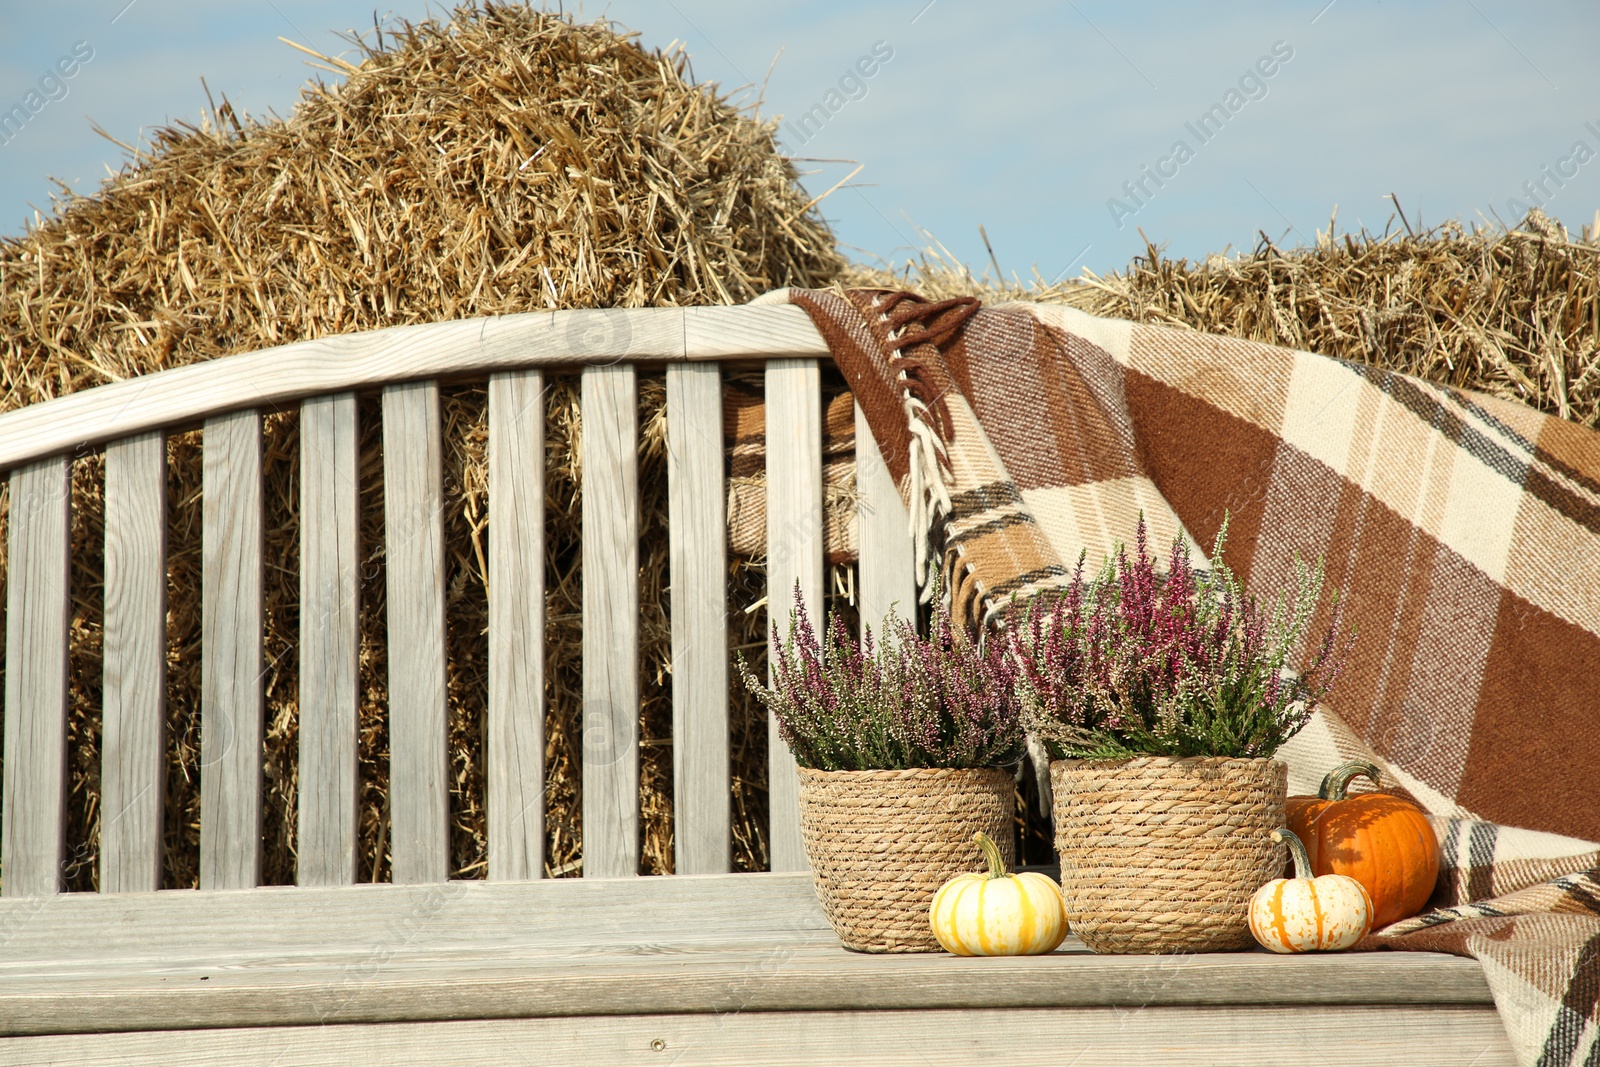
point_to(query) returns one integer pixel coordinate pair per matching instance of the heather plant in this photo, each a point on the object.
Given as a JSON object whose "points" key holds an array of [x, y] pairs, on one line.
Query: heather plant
{"points": [[902, 701], [1176, 664]]}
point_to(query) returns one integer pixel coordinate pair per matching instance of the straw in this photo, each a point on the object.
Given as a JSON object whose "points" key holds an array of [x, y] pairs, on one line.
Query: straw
{"points": [[1513, 313]]}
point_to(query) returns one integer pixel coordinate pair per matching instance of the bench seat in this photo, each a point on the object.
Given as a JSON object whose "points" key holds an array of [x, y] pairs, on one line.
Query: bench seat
{"points": [[717, 968]]}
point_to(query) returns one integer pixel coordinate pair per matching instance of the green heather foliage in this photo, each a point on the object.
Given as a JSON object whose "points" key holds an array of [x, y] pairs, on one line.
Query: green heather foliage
{"points": [[1181, 664], [945, 700]]}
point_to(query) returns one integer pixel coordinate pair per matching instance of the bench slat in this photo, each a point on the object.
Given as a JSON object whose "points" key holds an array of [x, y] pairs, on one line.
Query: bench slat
{"points": [[749, 332], [38, 610], [553, 924], [231, 653], [516, 626], [1358, 1036], [794, 554], [132, 761], [74, 932], [419, 799], [610, 622], [329, 640], [820, 974], [699, 560], [346, 362], [887, 581]]}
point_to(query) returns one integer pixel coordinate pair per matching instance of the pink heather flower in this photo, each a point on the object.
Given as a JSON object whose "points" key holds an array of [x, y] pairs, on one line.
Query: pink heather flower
{"points": [[1181, 664]]}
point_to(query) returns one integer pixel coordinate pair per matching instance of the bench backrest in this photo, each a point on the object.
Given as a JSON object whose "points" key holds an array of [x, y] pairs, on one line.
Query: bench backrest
{"points": [[226, 397]]}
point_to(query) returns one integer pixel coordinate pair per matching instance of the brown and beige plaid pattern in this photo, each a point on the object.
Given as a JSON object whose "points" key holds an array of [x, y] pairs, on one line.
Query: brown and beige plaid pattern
{"points": [[1462, 532], [744, 429]]}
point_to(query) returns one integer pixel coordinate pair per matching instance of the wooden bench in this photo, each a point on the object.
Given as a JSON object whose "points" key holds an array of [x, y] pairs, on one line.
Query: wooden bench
{"points": [[700, 967]]}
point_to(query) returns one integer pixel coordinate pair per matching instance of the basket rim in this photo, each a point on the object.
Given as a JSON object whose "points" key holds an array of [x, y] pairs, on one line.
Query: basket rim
{"points": [[904, 773], [1167, 761]]}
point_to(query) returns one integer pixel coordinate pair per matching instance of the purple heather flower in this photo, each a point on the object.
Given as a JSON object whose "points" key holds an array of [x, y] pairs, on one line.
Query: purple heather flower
{"points": [[1176, 664], [902, 700]]}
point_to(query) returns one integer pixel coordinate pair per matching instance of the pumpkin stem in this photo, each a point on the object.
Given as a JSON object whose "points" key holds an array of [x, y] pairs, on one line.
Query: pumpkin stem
{"points": [[1338, 779], [991, 852], [1302, 862]]}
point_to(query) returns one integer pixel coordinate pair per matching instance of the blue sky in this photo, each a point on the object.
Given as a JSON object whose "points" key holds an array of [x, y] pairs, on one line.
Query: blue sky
{"points": [[1025, 117]]}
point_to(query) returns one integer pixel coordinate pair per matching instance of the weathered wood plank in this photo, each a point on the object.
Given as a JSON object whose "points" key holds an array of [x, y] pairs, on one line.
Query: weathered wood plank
{"points": [[576, 947], [566, 975], [348, 362], [610, 622], [134, 668], [516, 626], [1104, 1037], [795, 537], [38, 610], [750, 333], [330, 640], [887, 580], [419, 797], [474, 916], [597, 974], [388, 981], [699, 560], [231, 696]]}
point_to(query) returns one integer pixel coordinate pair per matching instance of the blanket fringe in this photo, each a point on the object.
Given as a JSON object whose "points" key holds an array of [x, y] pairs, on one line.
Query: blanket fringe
{"points": [[911, 321]]}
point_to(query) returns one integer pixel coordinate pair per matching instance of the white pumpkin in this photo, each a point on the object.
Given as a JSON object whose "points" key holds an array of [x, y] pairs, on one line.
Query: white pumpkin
{"points": [[998, 914], [1306, 914]]}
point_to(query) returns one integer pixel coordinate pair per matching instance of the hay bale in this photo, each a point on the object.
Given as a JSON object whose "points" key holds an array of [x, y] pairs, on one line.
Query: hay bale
{"points": [[501, 160], [1513, 313]]}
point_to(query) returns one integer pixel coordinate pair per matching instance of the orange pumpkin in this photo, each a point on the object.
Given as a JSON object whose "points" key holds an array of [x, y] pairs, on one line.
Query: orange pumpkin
{"points": [[1381, 840]]}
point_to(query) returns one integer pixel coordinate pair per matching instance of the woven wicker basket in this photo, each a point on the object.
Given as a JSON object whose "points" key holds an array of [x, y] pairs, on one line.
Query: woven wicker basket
{"points": [[881, 843], [1163, 855]]}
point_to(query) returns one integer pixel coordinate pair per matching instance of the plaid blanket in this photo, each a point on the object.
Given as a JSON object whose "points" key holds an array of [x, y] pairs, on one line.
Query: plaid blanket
{"points": [[744, 429], [1462, 532]]}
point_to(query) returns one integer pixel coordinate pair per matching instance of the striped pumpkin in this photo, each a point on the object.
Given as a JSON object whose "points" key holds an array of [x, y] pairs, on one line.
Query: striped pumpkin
{"points": [[998, 914], [1306, 914], [1383, 841]]}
